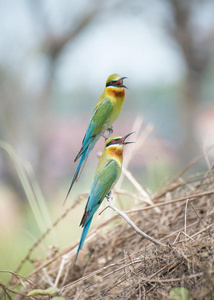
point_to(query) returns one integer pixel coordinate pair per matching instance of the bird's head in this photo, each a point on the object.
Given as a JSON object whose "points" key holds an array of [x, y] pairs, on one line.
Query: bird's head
{"points": [[115, 81], [115, 145]]}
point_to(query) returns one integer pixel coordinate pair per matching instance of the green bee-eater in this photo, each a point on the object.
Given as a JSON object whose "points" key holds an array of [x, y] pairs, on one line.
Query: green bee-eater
{"points": [[105, 113], [107, 174]]}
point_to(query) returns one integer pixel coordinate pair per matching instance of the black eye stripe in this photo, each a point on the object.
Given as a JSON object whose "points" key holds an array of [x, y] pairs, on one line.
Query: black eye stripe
{"points": [[110, 83], [112, 142]]}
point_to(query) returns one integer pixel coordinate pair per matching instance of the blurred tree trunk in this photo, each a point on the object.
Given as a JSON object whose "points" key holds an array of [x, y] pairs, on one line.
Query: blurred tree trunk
{"points": [[189, 99], [197, 52]]}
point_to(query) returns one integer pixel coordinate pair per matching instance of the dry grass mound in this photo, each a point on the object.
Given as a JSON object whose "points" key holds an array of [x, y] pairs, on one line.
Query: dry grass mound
{"points": [[121, 264]]}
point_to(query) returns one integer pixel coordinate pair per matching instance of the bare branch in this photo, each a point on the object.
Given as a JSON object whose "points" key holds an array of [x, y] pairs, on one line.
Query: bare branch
{"points": [[130, 222]]}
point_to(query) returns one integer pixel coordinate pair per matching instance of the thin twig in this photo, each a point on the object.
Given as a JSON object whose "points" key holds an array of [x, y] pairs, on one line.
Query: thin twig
{"points": [[140, 188], [200, 219], [205, 177], [175, 279], [64, 288], [136, 128], [179, 174], [185, 219], [193, 197], [130, 222], [199, 232]]}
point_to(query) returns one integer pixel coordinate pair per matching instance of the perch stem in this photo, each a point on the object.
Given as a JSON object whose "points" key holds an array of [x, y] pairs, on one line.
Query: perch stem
{"points": [[130, 222]]}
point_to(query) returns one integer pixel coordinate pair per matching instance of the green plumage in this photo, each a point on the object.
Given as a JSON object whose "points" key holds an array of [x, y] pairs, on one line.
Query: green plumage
{"points": [[105, 113]]}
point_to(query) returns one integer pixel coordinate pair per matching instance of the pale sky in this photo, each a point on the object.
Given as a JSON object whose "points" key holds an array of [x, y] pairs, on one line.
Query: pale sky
{"points": [[125, 44], [137, 51], [134, 45]]}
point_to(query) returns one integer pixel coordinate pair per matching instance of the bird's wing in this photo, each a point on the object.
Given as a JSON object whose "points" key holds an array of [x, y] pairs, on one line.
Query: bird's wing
{"points": [[100, 115], [103, 183]]}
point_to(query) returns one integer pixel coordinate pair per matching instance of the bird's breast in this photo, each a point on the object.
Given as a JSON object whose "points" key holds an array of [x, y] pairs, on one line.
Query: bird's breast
{"points": [[116, 92], [117, 154]]}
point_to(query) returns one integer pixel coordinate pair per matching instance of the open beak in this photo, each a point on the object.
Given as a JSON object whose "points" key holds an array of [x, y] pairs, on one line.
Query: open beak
{"points": [[125, 137], [119, 82]]}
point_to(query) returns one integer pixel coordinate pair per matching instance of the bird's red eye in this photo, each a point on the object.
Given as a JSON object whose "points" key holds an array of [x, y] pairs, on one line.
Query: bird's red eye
{"points": [[113, 141], [110, 83]]}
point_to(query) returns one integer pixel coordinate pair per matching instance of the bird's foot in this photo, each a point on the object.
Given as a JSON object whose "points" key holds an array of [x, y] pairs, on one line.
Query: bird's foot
{"points": [[108, 196], [110, 130], [103, 135]]}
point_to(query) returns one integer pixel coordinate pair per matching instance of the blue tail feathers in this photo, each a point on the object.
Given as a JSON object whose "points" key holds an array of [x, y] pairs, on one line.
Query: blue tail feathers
{"points": [[83, 237], [81, 163], [84, 157]]}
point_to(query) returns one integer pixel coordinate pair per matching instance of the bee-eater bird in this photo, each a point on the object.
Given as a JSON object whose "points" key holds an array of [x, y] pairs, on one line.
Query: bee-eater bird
{"points": [[107, 174], [105, 113]]}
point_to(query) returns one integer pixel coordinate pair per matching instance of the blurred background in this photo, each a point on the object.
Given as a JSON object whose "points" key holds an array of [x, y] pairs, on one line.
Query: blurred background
{"points": [[55, 57]]}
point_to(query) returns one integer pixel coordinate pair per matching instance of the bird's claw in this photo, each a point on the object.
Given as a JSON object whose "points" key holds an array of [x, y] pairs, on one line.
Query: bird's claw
{"points": [[103, 135], [108, 196], [110, 130]]}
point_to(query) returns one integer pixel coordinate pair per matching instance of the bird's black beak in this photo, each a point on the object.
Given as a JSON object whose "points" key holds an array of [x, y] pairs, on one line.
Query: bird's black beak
{"points": [[119, 82], [125, 137]]}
